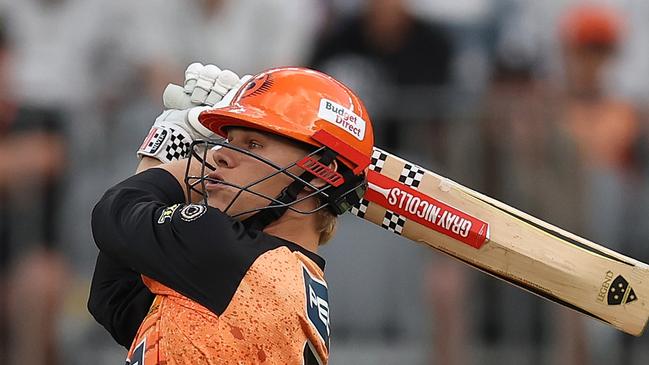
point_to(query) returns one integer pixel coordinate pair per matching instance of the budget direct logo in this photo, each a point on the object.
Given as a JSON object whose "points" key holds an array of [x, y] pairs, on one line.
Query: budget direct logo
{"points": [[342, 117]]}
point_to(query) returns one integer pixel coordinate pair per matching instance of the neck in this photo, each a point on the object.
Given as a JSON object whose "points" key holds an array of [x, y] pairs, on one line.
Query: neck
{"points": [[297, 228]]}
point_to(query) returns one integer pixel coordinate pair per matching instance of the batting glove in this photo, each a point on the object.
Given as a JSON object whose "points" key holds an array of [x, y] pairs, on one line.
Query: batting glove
{"points": [[205, 87]]}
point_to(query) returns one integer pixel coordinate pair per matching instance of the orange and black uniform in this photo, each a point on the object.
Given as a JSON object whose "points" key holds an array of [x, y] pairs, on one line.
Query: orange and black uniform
{"points": [[210, 290]]}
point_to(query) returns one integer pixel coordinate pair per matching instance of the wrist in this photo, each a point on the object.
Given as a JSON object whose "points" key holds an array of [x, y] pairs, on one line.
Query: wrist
{"points": [[166, 142], [147, 163]]}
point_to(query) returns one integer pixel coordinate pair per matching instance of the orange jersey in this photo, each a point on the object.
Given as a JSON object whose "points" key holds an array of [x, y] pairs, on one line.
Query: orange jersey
{"points": [[278, 315]]}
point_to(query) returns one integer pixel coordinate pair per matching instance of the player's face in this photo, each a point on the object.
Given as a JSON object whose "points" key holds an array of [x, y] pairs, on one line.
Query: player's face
{"points": [[237, 168]]}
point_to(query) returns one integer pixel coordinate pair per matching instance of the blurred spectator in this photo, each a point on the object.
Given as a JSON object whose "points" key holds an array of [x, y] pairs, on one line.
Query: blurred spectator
{"points": [[6, 117], [32, 271], [603, 127], [50, 78], [522, 157], [399, 65], [606, 129]]}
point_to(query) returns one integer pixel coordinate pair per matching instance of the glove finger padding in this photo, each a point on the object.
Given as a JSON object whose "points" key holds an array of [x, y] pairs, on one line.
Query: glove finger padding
{"points": [[174, 97], [227, 98], [194, 113], [225, 82], [191, 76], [204, 84]]}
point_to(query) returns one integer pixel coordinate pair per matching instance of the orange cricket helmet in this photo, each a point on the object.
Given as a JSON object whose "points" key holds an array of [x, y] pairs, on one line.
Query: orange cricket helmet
{"points": [[304, 105]]}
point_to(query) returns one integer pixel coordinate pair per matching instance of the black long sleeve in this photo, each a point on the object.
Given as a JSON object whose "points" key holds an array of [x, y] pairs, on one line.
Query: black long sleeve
{"points": [[118, 300]]}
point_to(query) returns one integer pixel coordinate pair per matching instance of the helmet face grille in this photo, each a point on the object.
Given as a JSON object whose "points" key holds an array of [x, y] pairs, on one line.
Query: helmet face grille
{"points": [[339, 189]]}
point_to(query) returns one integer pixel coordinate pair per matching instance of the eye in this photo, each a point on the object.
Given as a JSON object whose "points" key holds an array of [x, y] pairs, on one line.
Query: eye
{"points": [[252, 144]]}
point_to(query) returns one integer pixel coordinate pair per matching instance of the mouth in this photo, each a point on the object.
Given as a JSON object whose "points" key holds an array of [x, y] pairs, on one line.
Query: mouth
{"points": [[213, 181]]}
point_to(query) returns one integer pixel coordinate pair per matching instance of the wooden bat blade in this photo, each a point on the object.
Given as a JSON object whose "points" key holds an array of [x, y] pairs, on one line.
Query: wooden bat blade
{"points": [[506, 243]]}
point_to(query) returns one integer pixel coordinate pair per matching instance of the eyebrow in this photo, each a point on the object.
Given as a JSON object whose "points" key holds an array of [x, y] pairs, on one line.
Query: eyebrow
{"points": [[299, 144], [262, 133], [246, 130]]}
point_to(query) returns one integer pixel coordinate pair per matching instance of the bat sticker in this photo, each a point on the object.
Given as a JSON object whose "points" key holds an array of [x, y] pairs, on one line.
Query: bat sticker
{"points": [[378, 160], [360, 209], [393, 222], [406, 202]]}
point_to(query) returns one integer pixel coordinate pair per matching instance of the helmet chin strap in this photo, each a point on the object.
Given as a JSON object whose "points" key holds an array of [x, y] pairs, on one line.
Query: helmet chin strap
{"points": [[264, 217]]}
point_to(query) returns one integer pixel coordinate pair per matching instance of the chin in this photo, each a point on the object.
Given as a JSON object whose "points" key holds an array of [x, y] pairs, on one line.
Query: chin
{"points": [[218, 204], [242, 204], [221, 204]]}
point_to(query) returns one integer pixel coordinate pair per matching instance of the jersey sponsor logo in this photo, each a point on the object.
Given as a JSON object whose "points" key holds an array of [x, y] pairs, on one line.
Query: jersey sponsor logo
{"points": [[426, 210], [317, 304], [192, 212], [167, 213], [342, 117]]}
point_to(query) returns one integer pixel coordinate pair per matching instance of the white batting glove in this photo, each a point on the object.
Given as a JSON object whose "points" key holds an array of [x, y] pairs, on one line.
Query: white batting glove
{"points": [[205, 87]]}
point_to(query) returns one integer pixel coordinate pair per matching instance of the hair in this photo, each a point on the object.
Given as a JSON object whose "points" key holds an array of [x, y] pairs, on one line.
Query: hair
{"points": [[325, 225]]}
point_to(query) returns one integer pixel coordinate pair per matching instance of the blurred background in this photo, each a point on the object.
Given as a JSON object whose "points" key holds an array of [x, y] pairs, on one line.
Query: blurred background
{"points": [[541, 104]]}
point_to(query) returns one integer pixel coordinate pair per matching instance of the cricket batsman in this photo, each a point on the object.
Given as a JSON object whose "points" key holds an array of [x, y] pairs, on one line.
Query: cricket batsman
{"points": [[208, 255]]}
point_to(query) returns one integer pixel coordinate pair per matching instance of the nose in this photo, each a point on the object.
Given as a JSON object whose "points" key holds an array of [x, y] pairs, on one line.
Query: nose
{"points": [[222, 157]]}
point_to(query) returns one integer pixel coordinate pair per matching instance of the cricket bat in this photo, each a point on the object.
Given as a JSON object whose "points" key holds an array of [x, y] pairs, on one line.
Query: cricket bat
{"points": [[506, 243]]}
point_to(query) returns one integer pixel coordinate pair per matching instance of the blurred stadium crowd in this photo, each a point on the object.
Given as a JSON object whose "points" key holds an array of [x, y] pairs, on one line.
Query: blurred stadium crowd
{"points": [[541, 104]]}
